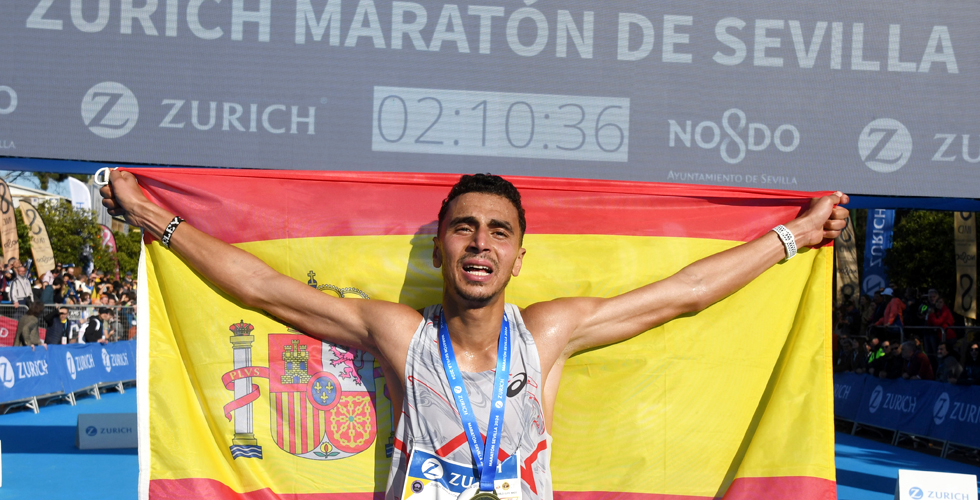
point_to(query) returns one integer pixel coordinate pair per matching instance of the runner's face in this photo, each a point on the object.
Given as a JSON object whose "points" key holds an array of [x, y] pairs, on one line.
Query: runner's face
{"points": [[479, 247]]}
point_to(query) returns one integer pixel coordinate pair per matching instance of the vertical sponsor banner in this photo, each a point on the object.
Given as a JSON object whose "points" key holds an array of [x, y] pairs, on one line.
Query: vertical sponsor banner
{"points": [[109, 241], [8, 224], [965, 239], [877, 241], [40, 244], [848, 279], [25, 372]]}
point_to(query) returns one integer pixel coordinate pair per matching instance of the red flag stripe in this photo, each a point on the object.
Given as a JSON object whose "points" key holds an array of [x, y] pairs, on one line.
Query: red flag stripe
{"points": [[240, 205], [750, 488]]}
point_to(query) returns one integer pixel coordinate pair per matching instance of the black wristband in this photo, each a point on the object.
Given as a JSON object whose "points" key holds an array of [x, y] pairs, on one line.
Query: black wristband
{"points": [[169, 232]]}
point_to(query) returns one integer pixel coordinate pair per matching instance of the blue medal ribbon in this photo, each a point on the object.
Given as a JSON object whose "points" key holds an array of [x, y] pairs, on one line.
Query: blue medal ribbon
{"points": [[485, 455]]}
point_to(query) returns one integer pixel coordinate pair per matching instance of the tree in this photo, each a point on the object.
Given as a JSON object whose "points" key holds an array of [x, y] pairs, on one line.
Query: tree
{"points": [[69, 231], [922, 253]]}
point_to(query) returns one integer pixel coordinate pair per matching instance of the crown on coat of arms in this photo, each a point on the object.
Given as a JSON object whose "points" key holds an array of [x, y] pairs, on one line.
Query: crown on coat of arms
{"points": [[241, 328]]}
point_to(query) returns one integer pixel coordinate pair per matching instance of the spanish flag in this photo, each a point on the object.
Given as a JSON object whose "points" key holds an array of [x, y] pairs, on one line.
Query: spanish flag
{"points": [[734, 402]]}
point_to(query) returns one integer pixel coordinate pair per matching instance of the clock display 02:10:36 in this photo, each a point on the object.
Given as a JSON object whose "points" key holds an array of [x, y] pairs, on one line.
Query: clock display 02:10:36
{"points": [[501, 124]]}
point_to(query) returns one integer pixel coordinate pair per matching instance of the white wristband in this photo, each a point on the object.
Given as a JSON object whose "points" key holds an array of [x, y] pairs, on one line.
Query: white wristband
{"points": [[789, 241]]}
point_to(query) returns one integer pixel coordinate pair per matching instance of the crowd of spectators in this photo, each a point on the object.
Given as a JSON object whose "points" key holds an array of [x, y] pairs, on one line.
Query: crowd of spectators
{"points": [[873, 336], [73, 307]]}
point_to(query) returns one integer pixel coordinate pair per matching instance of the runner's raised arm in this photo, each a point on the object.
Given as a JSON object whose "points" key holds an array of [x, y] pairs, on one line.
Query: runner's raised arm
{"points": [[365, 324]]}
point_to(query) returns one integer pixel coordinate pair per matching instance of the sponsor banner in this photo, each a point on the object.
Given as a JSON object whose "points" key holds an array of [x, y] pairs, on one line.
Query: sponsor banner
{"points": [[927, 485], [848, 392], [965, 239], [955, 412], [26, 372], [812, 97], [81, 365], [845, 251], [106, 431], [898, 404], [8, 224], [877, 241], [117, 361], [40, 244], [931, 409]]}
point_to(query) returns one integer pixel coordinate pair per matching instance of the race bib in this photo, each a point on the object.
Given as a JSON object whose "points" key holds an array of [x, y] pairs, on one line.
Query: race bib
{"points": [[431, 477]]}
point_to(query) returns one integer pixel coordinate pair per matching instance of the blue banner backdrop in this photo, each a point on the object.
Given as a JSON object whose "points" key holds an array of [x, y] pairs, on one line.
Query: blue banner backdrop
{"points": [[921, 407], [25, 373], [848, 390], [877, 241]]}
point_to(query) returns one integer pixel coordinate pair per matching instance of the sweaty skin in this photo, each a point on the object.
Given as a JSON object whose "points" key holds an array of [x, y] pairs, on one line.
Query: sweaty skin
{"points": [[478, 249]]}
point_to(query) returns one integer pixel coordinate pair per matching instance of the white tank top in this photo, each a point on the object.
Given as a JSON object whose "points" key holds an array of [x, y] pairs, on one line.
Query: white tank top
{"points": [[429, 421]]}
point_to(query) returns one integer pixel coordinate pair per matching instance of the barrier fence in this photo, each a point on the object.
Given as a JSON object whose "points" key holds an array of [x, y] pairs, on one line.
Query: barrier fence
{"points": [[921, 408], [61, 371], [122, 326]]}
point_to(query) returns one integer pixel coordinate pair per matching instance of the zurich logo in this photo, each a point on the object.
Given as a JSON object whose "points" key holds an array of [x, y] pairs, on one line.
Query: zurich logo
{"points": [[915, 493], [885, 145], [875, 401], [457, 389], [106, 361], [6, 373], [940, 408], [432, 469], [110, 110], [71, 365], [873, 283]]}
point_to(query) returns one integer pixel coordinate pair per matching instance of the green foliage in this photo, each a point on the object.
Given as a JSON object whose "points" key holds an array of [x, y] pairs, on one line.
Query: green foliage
{"points": [[69, 230], [128, 251], [922, 253]]}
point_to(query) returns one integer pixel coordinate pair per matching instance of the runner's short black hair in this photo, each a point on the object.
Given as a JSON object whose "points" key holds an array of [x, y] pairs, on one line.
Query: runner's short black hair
{"points": [[488, 184]]}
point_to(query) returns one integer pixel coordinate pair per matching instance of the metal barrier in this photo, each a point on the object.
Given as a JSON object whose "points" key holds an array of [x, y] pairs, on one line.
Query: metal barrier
{"points": [[122, 326]]}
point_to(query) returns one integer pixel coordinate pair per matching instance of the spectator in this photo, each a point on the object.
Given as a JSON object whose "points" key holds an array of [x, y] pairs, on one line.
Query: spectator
{"points": [[863, 350], [948, 369], [941, 317], [971, 366], [893, 311], [917, 366], [20, 288], [867, 312], [879, 304], [847, 357], [890, 365], [58, 328], [915, 315], [97, 328], [27, 327], [876, 351], [851, 319]]}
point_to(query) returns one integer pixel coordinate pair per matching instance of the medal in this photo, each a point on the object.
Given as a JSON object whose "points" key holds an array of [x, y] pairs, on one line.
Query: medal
{"points": [[486, 495], [484, 453], [474, 493]]}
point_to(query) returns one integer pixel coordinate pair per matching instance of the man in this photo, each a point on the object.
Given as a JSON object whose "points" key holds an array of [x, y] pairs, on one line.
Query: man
{"points": [[57, 332], [20, 288], [917, 366], [28, 332], [948, 369], [479, 248], [97, 328]]}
